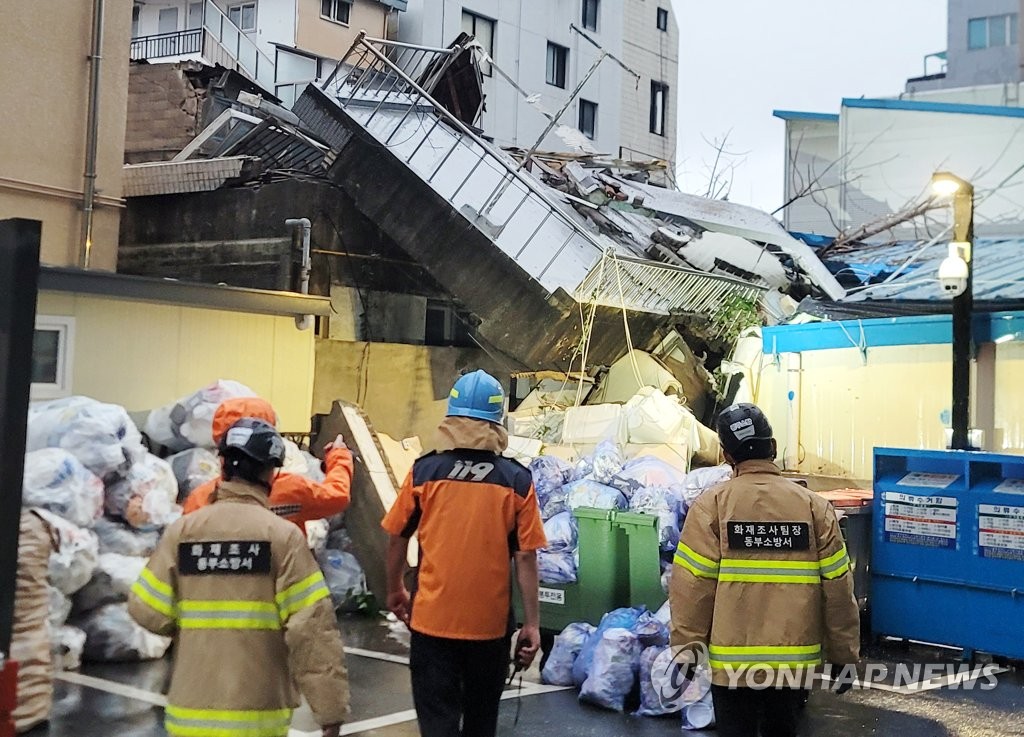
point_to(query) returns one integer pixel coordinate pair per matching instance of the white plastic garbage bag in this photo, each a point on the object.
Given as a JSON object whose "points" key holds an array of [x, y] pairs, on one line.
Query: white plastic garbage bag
{"points": [[117, 537], [67, 644], [317, 532], [646, 471], [558, 668], [146, 498], [73, 562], [614, 670], [188, 423], [664, 503], [60, 608], [193, 468], [294, 461], [112, 636], [314, 472], [345, 578], [110, 583], [701, 479], [56, 480], [556, 566], [102, 436], [592, 494]]}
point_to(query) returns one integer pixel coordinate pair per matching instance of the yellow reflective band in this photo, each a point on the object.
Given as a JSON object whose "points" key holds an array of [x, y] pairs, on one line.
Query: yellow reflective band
{"points": [[748, 570], [156, 584], [835, 565], [686, 550], [225, 723], [679, 560], [768, 578], [454, 394], [228, 615], [770, 656], [787, 565], [771, 649], [155, 600], [495, 399], [305, 593]]}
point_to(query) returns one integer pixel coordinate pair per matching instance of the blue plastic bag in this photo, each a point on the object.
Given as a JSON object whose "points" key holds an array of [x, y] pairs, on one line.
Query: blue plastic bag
{"points": [[549, 475], [587, 493], [607, 461], [561, 532], [624, 618], [614, 669], [558, 668], [556, 567], [555, 504], [654, 682], [663, 502], [650, 630]]}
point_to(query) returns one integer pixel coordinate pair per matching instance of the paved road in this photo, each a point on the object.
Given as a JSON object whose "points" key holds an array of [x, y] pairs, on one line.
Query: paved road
{"points": [[123, 699]]}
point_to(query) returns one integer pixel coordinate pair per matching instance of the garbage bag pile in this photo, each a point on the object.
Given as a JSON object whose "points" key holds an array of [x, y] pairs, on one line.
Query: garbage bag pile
{"points": [[192, 468], [106, 500], [558, 562], [626, 664], [188, 423]]}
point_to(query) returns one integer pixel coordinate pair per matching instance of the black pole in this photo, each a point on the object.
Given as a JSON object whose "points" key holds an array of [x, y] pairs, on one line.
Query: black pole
{"points": [[963, 307], [19, 276]]}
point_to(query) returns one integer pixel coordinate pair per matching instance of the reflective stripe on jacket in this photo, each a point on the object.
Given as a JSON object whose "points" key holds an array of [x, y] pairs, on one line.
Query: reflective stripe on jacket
{"points": [[747, 585], [252, 618]]}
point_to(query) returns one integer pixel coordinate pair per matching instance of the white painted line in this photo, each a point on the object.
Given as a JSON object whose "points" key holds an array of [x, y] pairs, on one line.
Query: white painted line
{"points": [[387, 657], [112, 687]]}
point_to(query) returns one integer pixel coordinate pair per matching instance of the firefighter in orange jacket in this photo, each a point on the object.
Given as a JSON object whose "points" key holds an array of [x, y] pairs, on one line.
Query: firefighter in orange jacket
{"points": [[249, 609], [762, 580], [296, 498]]}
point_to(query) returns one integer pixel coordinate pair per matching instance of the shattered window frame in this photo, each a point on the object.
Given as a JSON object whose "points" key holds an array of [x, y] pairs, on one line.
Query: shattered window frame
{"points": [[336, 11], [659, 107], [590, 11], [470, 24], [588, 118], [557, 65]]}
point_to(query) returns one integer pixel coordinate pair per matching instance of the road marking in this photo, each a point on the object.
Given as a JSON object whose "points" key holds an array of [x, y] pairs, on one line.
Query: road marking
{"points": [[386, 657], [118, 689]]}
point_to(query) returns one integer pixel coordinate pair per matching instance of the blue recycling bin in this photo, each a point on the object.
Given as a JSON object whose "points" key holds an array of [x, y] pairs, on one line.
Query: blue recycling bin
{"points": [[947, 560]]}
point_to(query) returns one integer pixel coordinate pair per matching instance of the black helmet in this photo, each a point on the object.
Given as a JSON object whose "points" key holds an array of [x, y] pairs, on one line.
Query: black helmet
{"points": [[255, 439], [745, 432]]}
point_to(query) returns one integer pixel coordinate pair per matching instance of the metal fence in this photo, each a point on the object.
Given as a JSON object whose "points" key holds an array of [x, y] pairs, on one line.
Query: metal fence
{"points": [[160, 45]]}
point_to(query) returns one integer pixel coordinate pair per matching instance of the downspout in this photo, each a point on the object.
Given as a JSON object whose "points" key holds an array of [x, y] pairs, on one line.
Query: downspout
{"points": [[92, 134], [306, 321]]}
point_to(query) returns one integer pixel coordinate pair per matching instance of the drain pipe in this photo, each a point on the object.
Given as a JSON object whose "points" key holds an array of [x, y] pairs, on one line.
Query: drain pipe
{"points": [[92, 135], [306, 321]]}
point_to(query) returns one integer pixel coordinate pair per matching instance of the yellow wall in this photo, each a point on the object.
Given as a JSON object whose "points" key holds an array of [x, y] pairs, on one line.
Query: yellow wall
{"points": [[142, 355], [402, 388], [43, 118], [1009, 396], [332, 40]]}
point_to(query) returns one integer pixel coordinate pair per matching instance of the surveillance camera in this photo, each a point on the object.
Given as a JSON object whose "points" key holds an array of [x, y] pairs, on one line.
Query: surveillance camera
{"points": [[953, 275]]}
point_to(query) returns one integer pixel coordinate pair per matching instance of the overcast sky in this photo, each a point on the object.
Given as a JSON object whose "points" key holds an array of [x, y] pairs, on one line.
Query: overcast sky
{"points": [[741, 59]]}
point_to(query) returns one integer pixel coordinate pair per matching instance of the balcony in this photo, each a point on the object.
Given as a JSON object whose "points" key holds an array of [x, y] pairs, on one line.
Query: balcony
{"points": [[217, 40]]}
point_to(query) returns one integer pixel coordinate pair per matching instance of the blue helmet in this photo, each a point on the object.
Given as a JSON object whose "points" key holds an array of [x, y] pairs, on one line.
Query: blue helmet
{"points": [[478, 395]]}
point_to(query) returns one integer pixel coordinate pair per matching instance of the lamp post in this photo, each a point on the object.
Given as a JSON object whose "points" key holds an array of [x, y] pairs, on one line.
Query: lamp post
{"points": [[945, 184]]}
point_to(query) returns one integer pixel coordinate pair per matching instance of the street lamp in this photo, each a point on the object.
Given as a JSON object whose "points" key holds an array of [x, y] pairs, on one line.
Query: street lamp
{"points": [[947, 185]]}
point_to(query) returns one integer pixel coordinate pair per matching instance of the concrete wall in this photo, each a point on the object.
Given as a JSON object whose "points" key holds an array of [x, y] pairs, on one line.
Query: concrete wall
{"points": [[402, 388], [980, 66], [144, 355], [384, 317], [164, 112], [331, 40], [654, 54], [891, 155], [522, 31], [42, 149], [812, 147]]}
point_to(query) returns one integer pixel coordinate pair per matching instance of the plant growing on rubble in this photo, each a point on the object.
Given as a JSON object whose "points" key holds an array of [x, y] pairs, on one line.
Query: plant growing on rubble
{"points": [[736, 314]]}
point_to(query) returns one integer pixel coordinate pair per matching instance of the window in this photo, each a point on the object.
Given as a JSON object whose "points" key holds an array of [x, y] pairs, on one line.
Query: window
{"points": [[195, 16], [335, 10], [590, 14], [136, 9], [558, 60], [447, 326], [167, 20], [52, 354], [588, 118], [662, 19], [659, 104], [243, 16], [992, 31], [483, 30]]}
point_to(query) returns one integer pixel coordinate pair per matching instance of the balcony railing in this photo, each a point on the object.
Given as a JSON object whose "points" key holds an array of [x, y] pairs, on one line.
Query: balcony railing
{"points": [[177, 43]]}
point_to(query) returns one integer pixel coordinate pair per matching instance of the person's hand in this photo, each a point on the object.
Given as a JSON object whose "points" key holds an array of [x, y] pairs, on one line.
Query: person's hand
{"points": [[338, 442], [333, 730], [527, 645], [399, 604]]}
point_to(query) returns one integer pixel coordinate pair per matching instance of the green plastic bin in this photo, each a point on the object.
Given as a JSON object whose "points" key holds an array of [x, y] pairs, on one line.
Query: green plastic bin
{"points": [[602, 581], [644, 552]]}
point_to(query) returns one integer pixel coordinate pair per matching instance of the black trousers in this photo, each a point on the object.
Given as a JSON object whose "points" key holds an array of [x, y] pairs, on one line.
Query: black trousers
{"points": [[748, 712], [457, 684]]}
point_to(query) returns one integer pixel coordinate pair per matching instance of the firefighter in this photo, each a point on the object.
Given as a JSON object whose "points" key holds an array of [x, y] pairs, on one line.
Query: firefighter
{"points": [[296, 498], [474, 511], [247, 605], [763, 581]]}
